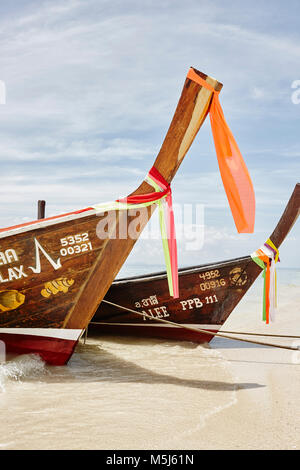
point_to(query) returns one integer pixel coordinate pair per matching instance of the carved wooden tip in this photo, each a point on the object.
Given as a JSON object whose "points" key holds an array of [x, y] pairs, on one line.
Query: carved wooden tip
{"points": [[296, 192], [211, 80]]}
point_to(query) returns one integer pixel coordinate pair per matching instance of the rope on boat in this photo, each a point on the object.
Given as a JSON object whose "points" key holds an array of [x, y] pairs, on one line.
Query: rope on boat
{"points": [[260, 334], [197, 330]]}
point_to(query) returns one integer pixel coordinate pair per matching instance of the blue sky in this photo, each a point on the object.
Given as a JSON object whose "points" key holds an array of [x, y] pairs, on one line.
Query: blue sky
{"points": [[91, 89]]}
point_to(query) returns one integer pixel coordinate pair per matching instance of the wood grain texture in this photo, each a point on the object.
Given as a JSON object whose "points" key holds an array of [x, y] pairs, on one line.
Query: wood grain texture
{"points": [[228, 281], [194, 100], [47, 279], [37, 310], [208, 293]]}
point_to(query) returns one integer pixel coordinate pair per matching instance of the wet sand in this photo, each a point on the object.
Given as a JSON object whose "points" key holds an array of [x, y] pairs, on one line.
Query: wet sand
{"points": [[124, 393], [264, 417], [267, 417]]}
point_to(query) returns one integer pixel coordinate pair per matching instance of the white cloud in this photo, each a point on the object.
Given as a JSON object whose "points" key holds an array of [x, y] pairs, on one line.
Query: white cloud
{"points": [[45, 148], [258, 93], [92, 86]]}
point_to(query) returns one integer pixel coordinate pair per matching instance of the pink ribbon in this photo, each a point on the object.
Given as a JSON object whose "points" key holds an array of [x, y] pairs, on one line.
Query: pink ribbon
{"points": [[169, 218]]}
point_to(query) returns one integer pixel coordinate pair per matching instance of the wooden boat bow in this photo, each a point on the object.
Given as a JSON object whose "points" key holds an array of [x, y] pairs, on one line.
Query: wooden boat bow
{"points": [[54, 272], [191, 111], [208, 295], [189, 116], [285, 224], [288, 218]]}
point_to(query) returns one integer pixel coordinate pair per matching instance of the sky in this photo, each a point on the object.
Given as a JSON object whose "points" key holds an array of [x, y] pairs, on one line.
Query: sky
{"points": [[91, 88]]}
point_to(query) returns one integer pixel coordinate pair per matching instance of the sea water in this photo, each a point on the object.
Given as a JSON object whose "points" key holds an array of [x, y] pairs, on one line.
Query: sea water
{"points": [[133, 393]]}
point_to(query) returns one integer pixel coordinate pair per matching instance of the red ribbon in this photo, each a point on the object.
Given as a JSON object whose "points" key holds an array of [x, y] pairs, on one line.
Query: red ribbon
{"points": [[170, 222], [158, 178]]}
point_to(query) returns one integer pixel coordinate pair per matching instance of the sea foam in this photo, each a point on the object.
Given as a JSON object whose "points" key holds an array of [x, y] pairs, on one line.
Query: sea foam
{"points": [[20, 368]]}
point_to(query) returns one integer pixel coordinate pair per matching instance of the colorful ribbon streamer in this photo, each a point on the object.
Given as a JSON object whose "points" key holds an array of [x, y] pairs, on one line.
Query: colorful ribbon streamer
{"points": [[267, 257], [235, 177], [163, 198], [234, 173]]}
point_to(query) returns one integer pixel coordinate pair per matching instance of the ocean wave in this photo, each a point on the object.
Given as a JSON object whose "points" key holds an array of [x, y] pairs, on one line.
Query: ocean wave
{"points": [[23, 367]]}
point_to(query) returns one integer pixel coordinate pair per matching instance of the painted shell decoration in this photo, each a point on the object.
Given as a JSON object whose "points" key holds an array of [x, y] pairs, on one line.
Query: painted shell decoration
{"points": [[10, 300], [238, 277], [58, 285]]}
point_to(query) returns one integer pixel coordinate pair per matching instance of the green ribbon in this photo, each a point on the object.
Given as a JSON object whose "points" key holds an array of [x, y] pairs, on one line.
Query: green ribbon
{"points": [[262, 265], [115, 205], [164, 236]]}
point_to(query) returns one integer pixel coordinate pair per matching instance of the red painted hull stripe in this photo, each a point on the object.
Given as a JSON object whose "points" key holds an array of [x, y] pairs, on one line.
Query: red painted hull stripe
{"points": [[44, 220], [178, 334], [55, 351]]}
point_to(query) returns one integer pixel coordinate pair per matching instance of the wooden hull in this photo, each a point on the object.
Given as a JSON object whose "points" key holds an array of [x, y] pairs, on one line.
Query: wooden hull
{"points": [[54, 273], [42, 273], [208, 294]]}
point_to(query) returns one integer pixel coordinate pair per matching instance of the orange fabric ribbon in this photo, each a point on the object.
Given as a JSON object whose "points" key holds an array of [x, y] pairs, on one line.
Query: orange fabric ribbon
{"points": [[234, 173]]}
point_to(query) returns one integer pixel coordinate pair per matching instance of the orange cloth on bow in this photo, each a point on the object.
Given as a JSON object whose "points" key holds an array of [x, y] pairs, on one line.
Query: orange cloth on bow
{"points": [[234, 173]]}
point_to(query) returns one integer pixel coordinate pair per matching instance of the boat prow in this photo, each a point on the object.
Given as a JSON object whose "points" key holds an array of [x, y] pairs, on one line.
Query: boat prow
{"points": [[208, 295], [55, 272]]}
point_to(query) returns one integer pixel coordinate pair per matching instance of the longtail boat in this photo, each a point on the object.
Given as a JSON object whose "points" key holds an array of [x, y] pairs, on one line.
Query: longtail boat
{"points": [[208, 295], [55, 272]]}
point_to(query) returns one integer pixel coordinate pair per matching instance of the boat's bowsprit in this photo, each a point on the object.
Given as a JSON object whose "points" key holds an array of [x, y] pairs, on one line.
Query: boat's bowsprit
{"points": [[54, 272], [208, 295]]}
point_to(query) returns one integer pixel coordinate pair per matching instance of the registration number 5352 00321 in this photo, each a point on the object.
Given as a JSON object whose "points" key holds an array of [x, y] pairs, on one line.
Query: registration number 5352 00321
{"points": [[75, 244]]}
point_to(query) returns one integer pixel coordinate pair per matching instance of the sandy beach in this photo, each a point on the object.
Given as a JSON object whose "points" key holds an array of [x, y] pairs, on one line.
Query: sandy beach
{"points": [[108, 110], [128, 393], [266, 417]]}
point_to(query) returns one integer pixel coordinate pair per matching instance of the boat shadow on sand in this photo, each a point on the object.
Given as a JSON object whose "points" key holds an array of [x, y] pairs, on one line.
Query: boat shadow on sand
{"points": [[92, 363]]}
